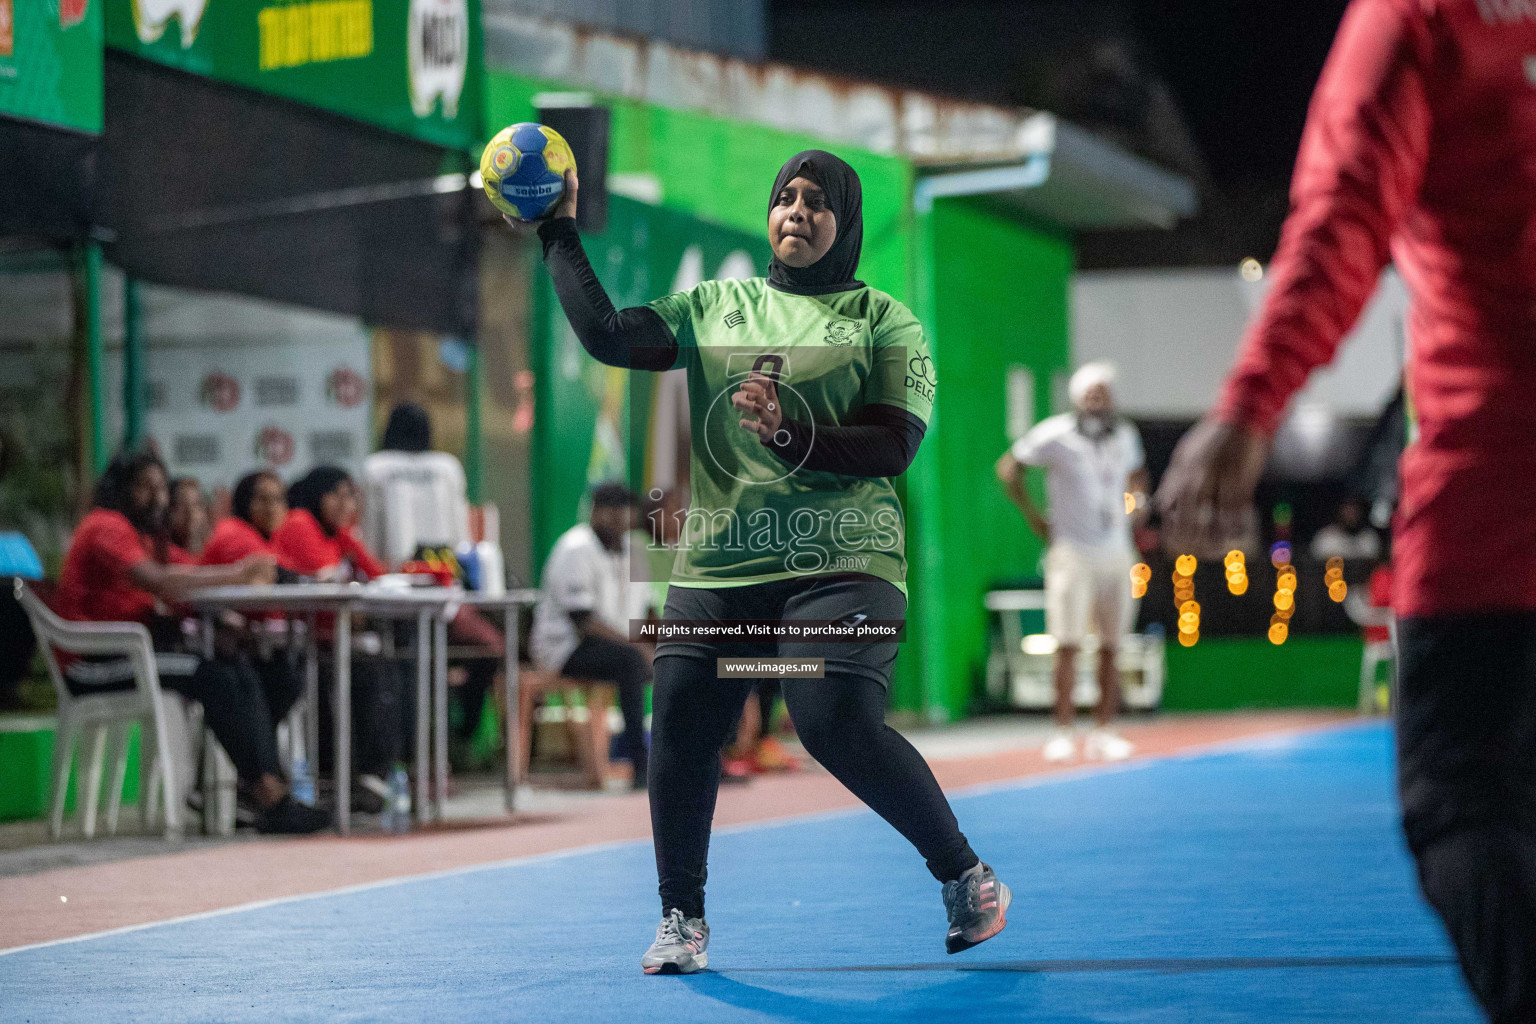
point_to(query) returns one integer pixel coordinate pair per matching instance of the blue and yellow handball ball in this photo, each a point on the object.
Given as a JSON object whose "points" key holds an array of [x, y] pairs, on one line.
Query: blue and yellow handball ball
{"points": [[523, 170]]}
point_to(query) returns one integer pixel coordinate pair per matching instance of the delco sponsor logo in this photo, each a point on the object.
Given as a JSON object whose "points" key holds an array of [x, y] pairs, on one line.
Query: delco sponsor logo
{"points": [[274, 445], [920, 376]]}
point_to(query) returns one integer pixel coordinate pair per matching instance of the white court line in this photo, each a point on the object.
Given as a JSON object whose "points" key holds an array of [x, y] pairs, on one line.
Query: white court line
{"points": [[1235, 745]]}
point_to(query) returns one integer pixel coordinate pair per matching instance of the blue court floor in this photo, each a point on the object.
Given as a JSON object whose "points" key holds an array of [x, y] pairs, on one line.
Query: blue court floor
{"points": [[1263, 882]]}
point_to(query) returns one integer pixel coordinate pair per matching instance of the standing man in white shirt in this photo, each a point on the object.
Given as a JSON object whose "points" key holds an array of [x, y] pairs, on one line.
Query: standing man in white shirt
{"points": [[581, 624], [1092, 459]]}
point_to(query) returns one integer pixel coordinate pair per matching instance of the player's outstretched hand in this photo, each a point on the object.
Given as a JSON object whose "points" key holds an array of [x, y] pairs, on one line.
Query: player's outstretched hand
{"points": [[566, 207], [1206, 498]]}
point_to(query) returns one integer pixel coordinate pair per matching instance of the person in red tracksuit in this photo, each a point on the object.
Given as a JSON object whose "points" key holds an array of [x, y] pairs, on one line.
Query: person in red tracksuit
{"points": [[1420, 147], [316, 539]]}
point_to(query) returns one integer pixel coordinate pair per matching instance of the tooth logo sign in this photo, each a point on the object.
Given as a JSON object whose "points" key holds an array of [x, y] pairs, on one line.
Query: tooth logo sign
{"points": [[150, 18], [437, 54]]}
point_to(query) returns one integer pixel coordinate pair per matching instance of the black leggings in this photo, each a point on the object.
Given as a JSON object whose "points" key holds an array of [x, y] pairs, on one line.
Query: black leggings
{"points": [[840, 719], [1467, 773]]}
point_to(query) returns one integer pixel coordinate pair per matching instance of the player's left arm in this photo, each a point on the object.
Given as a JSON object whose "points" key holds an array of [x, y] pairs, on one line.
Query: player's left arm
{"points": [[1359, 169]]}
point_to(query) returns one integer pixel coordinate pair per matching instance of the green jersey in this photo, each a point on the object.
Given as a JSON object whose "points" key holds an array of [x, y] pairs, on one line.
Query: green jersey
{"points": [[753, 517]]}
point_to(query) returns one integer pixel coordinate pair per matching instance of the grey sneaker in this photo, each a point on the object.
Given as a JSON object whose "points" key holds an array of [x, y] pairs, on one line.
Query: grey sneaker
{"points": [[680, 946], [978, 908]]}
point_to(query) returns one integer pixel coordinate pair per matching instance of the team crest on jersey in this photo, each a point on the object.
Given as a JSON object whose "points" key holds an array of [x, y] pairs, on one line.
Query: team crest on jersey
{"points": [[843, 332]]}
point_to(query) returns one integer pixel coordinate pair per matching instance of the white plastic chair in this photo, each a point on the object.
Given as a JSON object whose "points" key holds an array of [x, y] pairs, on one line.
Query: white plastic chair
{"points": [[1376, 652], [105, 719]]}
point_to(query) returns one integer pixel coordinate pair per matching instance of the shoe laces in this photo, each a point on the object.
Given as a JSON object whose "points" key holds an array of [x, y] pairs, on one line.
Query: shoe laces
{"points": [[963, 896], [670, 931]]}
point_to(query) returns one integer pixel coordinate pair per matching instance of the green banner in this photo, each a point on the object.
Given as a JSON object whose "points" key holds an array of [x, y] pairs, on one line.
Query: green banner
{"points": [[411, 66], [50, 62]]}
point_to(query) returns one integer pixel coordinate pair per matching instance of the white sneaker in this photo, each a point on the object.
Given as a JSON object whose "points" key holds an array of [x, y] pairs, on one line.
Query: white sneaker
{"points": [[1060, 747], [1105, 744]]}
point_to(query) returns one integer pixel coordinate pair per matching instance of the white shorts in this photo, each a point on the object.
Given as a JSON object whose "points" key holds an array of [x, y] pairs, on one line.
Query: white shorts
{"points": [[1087, 591]]}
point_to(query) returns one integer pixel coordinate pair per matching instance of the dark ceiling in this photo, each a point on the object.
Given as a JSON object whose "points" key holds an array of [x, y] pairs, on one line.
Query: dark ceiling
{"points": [[1217, 90]]}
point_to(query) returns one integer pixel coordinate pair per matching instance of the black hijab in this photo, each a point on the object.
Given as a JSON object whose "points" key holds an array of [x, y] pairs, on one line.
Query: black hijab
{"points": [[307, 491], [845, 197]]}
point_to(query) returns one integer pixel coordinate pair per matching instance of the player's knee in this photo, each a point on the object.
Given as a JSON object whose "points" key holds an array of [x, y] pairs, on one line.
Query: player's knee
{"points": [[820, 733]]}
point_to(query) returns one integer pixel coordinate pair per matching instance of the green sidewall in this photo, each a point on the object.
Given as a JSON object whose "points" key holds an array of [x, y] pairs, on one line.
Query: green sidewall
{"points": [[998, 298]]}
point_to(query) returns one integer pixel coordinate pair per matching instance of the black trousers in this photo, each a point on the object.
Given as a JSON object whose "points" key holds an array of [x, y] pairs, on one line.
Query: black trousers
{"points": [[231, 692], [840, 719], [383, 716], [1467, 774], [604, 660]]}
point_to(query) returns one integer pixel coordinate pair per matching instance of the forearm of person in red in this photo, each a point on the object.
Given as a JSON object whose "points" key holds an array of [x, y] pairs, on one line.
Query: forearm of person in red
{"points": [[361, 558], [1362, 159]]}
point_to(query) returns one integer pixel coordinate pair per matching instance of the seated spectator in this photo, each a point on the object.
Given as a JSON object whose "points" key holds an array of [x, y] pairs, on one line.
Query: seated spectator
{"points": [[415, 497], [111, 574], [581, 624], [257, 508], [187, 523], [316, 539], [1348, 536]]}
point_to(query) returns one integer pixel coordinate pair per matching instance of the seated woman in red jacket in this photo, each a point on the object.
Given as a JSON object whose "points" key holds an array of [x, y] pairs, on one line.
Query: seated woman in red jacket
{"points": [[316, 540], [120, 568], [258, 505]]}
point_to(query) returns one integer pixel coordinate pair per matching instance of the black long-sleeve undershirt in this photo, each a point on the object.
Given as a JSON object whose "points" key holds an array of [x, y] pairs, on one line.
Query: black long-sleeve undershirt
{"points": [[636, 338], [881, 441]]}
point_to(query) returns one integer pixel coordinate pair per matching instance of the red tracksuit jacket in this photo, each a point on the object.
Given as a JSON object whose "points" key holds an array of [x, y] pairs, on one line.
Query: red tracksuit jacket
{"points": [[1420, 147]]}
